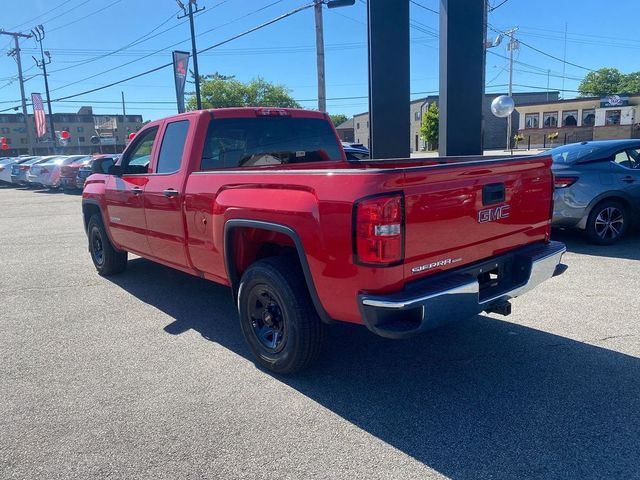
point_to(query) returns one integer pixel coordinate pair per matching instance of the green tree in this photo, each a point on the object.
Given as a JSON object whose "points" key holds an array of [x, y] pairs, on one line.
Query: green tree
{"points": [[606, 81], [430, 126], [338, 119], [631, 83], [220, 91]]}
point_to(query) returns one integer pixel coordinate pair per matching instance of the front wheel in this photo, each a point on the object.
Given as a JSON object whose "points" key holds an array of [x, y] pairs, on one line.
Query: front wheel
{"points": [[107, 260], [277, 316], [607, 223]]}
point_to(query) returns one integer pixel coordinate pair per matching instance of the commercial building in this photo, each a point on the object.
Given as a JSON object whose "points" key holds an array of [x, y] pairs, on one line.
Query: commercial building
{"points": [[579, 120], [89, 133], [346, 132], [495, 129]]}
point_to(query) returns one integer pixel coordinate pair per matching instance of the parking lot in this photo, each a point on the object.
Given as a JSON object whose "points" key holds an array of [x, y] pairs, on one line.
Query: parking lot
{"points": [[146, 375]]}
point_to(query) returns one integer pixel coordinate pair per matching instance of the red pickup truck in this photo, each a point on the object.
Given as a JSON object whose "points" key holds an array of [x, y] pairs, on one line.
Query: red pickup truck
{"points": [[263, 200]]}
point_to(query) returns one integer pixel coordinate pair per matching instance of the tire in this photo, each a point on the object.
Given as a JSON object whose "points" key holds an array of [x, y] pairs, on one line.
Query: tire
{"points": [[107, 260], [277, 317], [607, 222]]}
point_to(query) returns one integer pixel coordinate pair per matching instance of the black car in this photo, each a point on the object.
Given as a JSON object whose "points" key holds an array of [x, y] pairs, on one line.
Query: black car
{"points": [[100, 164]]}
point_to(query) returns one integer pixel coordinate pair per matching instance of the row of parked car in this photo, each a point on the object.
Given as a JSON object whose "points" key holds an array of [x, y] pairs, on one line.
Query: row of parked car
{"points": [[67, 172]]}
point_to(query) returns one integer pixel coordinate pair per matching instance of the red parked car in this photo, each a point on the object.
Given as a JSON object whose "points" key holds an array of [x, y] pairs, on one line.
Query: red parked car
{"points": [[69, 173], [264, 200]]}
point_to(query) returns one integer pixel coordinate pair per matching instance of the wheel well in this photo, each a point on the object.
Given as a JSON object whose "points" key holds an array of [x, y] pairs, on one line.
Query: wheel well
{"points": [[614, 198], [247, 245], [88, 210]]}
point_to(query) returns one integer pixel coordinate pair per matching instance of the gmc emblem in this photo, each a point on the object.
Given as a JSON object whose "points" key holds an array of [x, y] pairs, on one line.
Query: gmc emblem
{"points": [[493, 214]]}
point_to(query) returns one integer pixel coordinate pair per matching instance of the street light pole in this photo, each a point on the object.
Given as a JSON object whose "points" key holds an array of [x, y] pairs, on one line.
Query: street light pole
{"points": [[322, 87], [511, 46], [194, 52], [38, 33]]}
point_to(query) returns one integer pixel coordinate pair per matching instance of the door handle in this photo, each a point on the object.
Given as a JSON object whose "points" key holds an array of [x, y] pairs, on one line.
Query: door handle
{"points": [[628, 179], [170, 192], [136, 191]]}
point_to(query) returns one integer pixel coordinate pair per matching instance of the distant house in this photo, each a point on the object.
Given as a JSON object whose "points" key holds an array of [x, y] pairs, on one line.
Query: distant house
{"points": [[346, 131]]}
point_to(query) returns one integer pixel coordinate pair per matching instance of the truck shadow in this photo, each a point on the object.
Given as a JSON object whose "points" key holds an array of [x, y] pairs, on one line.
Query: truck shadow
{"points": [[483, 398], [628, 247]]}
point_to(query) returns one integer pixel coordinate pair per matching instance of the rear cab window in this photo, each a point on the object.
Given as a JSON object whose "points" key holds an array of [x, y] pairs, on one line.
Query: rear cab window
{"points": [[268, 140]]}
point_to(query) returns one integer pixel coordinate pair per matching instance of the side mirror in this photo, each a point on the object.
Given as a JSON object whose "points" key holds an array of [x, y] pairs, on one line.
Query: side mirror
{"points": [[115, 170]]}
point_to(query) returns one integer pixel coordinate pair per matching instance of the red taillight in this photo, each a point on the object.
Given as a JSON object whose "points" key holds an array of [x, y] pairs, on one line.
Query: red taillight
{"points": [[272, 112], [24, 168], [379, 230], [44, 170], [564, 182], [1, 169]]}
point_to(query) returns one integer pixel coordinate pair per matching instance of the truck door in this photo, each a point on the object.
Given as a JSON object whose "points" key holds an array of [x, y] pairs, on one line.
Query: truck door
{"points": [[124, 194], [163, 197]]}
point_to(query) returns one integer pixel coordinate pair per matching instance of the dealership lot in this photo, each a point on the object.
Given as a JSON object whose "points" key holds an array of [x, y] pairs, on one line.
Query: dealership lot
{"points": [[146, 375]]}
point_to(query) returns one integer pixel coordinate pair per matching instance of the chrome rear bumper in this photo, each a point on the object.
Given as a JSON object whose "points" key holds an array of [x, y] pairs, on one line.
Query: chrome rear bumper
{"points": [[461, 293]]}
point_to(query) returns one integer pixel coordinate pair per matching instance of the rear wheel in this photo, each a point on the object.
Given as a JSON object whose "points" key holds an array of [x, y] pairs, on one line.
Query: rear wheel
{"points": [[607, 223], [277, 316], [107, 260]]}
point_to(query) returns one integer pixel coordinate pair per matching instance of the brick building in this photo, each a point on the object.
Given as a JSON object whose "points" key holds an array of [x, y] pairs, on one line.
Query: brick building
{"points": [[111, 132], [580, 119], [495, 129]]}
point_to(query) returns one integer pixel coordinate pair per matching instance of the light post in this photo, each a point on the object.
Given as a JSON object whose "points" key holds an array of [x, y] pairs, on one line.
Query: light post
{"points": [[322, 89]]}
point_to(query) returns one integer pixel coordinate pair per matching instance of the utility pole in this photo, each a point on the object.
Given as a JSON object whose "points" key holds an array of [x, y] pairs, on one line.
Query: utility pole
{"points": [[16, 54], [124, 110], [194, 52], [322, 89], [511, 46], [548, 75], [38, 33]]}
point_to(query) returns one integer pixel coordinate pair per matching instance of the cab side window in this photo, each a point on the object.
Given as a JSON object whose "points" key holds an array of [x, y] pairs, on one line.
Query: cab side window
{"points": [[634, 158], [172, 148], [137, 160]]}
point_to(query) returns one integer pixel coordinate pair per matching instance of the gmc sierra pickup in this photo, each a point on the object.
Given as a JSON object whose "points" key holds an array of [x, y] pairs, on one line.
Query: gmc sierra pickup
{"points": [[263, 200]]}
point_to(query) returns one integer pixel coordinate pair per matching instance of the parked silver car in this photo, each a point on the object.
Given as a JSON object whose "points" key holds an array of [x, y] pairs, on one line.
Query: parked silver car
{"points": [[6, 165], [47, 173], [597, 188]]}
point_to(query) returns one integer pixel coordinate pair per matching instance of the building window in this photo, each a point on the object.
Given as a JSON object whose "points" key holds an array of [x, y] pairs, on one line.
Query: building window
{"points": [[358, 125], [81, 139], [532, 120], [550, 119], [367, 123], [80, 129], [588, 117], [8, 141], [612, 117], [23, 141], [4, 130], [570, 118], [417, 116]]}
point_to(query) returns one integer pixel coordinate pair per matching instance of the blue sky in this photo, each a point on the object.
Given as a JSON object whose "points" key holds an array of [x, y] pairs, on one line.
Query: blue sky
{"points": [[81, 30]]}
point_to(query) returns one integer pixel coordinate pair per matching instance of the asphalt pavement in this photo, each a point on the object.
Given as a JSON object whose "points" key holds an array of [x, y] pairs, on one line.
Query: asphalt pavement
{"points": [[146, 376]]}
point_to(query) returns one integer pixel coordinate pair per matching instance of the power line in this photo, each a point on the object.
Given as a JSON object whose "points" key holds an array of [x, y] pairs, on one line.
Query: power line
{"points": [[85, 16], [160, 67], [495, 7], [425, 7], [167, 47], [32, 20]]}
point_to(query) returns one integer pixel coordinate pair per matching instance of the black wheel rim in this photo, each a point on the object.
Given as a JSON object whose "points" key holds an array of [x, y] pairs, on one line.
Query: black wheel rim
{"points": [[609, 223], [267, 319], [97, 248]]}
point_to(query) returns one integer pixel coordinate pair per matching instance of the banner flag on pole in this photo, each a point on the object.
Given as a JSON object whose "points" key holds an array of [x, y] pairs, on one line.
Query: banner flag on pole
{"points": [[38, 115], [180, 68]]}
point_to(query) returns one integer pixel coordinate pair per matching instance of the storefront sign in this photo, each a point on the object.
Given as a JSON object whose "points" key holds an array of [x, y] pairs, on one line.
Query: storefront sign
{"points": [[614, 101]]}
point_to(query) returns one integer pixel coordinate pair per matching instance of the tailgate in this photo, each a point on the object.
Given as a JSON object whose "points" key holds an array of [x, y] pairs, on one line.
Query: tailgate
{"points": [[457, 214]]}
